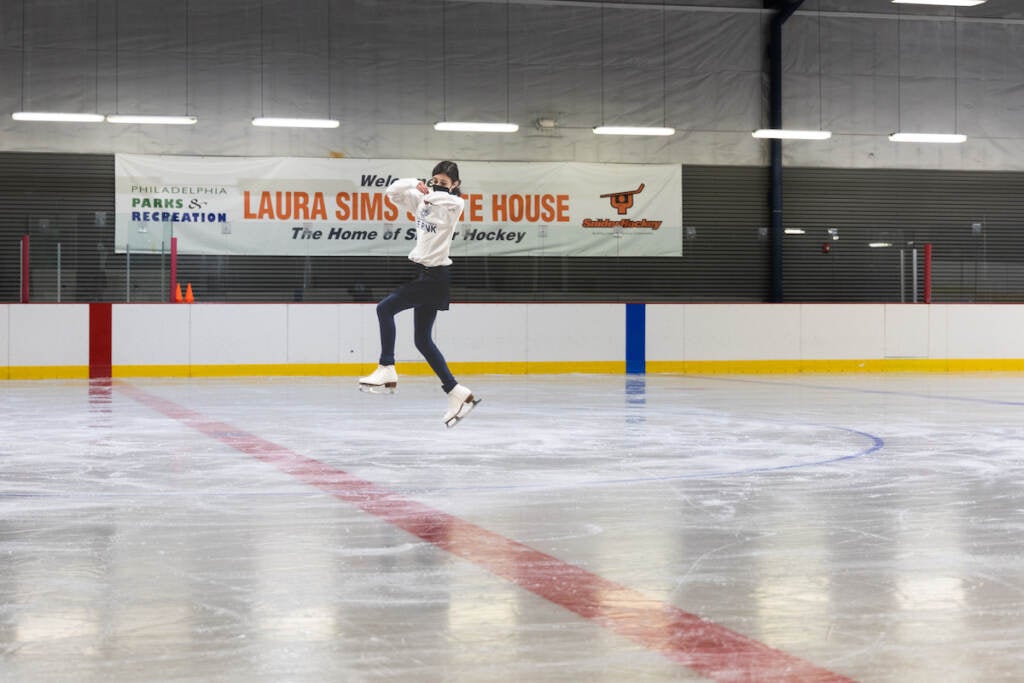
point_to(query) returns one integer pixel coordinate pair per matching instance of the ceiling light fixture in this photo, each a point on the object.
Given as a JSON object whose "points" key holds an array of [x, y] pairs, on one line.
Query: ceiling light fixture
{"points": [[270, 122], [941, 3], [633, 130], [475, 127], [790, 134], [948, 138], [146, 120], [56, 116]]}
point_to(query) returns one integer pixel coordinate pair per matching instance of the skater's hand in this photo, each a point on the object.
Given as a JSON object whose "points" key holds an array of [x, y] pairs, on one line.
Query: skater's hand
{"points": [[421, 186]]}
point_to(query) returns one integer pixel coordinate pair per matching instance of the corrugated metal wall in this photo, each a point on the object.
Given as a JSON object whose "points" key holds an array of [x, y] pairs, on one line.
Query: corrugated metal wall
{"points": [[973, 219], [65, 199]]}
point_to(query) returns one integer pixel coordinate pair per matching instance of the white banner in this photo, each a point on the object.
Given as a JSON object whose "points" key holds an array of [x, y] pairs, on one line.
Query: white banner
{"points": [[338, 207]]}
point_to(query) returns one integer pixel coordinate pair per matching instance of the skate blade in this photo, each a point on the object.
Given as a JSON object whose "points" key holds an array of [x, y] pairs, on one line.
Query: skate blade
{"points": [[465, 410], [377, 389]]}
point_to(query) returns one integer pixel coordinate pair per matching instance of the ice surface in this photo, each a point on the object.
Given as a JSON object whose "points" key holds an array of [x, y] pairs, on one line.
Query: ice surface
{"points": [[870, 525]]}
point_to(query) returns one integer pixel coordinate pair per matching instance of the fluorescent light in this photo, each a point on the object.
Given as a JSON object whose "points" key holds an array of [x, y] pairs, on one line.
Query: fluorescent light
{"points": [[795, 231], [164, 120], [475, 127], [944, 3], [295, 123], [56, 116], [633, 130], [928, 137], [879, 245], [786, 134]]}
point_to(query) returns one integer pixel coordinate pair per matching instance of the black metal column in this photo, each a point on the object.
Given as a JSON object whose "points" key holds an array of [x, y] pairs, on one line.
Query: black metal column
{"points": [[784, 9]]}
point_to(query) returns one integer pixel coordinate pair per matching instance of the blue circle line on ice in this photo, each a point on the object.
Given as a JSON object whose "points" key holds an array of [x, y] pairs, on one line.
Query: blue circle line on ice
{"points": [[858, 390], [876, 444]]}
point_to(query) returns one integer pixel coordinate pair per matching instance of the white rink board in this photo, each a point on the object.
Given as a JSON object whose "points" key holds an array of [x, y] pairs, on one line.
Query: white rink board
{"points": [[986, 331], [907, 331], [749, 332], [313, 333], [49, 335], [352, 347], [666, 331], [938, 331], [575, 332], [150, 334], [836, 332], [238, 334], [477, 333], [5, 334]]}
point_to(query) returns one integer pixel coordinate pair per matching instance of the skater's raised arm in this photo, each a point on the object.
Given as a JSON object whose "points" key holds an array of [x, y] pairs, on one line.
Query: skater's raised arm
{"points": [[406, 193]]}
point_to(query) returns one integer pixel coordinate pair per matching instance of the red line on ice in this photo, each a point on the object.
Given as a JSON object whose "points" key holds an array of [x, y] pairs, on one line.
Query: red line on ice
{"points": [[703, 646]]}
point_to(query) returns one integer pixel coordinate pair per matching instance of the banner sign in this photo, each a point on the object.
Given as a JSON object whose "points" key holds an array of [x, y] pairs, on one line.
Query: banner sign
{"points": [[338, 207]]}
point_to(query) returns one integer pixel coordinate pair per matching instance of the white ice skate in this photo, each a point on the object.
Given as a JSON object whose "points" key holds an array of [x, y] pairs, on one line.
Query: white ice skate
{"points": [[383, 380], [460, 403]]}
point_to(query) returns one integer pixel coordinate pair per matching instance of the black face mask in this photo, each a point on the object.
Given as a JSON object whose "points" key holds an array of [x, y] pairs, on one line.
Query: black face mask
{"points": [[439, 188]]}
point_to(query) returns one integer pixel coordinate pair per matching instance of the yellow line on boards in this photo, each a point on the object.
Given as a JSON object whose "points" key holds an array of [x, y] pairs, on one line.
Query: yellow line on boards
{"points": [[46, 372], [419, 368], [868, 365]]}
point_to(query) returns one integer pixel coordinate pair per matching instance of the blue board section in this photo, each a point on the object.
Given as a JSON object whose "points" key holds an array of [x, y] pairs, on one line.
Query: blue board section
{"points": [[636, 335]]}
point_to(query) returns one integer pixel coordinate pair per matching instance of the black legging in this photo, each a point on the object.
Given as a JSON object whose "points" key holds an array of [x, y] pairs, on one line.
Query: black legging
{"points": [[423, 323]]}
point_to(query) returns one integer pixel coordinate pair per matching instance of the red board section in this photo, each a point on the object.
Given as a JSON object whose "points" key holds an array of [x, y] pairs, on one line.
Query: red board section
{"points": [[928, 273], [100, 340], [25, 274]]}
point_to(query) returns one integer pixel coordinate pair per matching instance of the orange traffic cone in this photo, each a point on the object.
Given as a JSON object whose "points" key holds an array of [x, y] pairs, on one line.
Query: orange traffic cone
{"points": [[177, 293], [188, 294]]}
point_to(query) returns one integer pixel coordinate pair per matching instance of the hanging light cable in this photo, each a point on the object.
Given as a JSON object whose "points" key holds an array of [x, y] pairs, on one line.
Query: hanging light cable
{"points": [[475, 126], [664, 66], [796, 134], [262, 121], [144, 119], [663, 130], [54, 116], [920, 137]]}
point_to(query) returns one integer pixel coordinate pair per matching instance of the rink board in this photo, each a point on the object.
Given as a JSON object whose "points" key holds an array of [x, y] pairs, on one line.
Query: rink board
{"points": [[52, 341]]}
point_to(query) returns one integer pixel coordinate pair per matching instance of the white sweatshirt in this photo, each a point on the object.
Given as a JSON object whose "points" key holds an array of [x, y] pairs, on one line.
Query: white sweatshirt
{"points": [[437, 214]]}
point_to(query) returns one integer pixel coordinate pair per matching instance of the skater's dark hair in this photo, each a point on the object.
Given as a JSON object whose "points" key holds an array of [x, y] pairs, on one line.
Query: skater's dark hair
{"points": [[450, 169]]}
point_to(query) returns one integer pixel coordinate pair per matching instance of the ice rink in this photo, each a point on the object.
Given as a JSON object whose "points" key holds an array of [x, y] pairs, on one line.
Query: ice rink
{"points": [[596, 528]]}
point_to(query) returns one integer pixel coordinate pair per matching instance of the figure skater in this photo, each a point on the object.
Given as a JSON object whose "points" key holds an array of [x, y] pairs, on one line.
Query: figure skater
{"points": [[437, 205]]}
